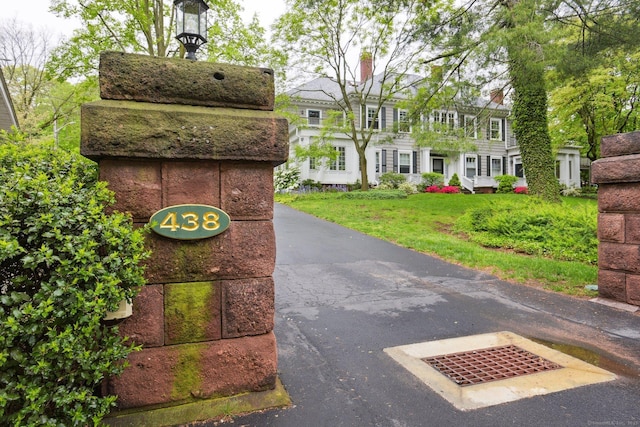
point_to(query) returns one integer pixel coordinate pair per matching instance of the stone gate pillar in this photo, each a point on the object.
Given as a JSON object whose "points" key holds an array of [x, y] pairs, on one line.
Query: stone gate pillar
{"points": [[171, 132], [617, 174]]}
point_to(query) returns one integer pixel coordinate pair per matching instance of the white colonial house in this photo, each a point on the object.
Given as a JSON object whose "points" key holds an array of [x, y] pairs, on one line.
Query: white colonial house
{"points": [[392, 149]]}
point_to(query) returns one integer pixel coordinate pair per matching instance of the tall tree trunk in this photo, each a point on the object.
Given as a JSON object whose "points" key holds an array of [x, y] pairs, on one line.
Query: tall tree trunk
{"points": [[362, 159]]}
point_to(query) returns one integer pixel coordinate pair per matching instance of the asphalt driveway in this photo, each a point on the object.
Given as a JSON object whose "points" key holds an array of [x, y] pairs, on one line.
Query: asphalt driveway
{"points": [[342, 297]]}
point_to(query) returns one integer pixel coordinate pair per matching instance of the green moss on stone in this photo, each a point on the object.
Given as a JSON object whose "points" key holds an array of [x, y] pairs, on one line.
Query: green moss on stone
{"points": [[187, 380], [191, 259], [189, 310], [201, 410]]}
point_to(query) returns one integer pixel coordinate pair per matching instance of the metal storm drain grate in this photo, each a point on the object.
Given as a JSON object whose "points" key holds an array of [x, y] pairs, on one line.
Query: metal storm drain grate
{"points": [[465, 370], [489, 364]]}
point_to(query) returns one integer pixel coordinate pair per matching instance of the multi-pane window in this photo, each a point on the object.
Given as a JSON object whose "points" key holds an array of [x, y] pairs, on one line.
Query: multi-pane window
{"points": [[404, 162], [471, 168], [496, 166], [373, 121], [469, 124], [340, 163], [312, 163], [313, 117], [495, 129], [378, 161], [403, 121], [443, 121]]}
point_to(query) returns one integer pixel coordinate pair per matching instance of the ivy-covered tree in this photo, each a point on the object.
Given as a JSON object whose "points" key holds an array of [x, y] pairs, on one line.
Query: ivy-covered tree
{"points": [[524, 29]]}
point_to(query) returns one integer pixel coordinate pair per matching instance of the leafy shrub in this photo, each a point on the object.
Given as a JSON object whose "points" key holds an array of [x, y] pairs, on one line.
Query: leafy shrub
{"points": [[391, 180], [521, 190], [432, 189], [571, 192], [449, 189], [455, 181], [311, 185], [432, 178], [64, 263], [505, 183], [535, 228], [286, 179], [408, 187]]}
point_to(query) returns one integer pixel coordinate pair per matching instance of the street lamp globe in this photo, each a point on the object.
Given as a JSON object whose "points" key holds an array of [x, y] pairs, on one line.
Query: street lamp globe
{"points": [[191, 24]]}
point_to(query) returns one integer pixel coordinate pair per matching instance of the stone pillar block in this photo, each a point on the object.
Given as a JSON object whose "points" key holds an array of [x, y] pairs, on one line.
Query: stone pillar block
{"points": [[247, 191], [612, 285], [192, 312], [146, 324], [619, 198], [159, 131], [137, 185], [179, 373], [616, 169], [632, 228], [633, 289], [246, 249], [175, 81], [620, 145], [247, 307], [191, 182], [619, 256], [611, 228]]}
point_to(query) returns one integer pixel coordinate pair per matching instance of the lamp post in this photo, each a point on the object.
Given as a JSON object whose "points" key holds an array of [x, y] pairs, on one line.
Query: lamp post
{"points": [[191, 25]]}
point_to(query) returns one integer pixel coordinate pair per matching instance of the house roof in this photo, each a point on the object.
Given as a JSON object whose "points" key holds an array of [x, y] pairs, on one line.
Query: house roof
{"points": [[325, 89], [8, 116]]}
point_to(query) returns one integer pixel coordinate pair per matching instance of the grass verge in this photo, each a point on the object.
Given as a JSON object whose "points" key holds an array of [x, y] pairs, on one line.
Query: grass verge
{"points": [[425, 223]]}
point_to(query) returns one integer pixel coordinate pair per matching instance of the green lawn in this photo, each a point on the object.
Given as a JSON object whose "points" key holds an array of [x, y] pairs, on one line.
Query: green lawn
{"points": [[426, 223]]}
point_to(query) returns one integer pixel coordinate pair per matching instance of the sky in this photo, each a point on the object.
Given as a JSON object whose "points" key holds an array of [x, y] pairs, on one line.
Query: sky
{"points": [[36, 12]]}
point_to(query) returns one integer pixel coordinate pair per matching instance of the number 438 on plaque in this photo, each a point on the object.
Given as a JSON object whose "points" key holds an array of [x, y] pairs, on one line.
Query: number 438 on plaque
{"points": [[189, 222]]}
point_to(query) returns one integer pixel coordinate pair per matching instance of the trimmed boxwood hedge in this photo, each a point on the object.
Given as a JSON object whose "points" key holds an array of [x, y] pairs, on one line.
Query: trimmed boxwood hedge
{"points": [[64, 263]]}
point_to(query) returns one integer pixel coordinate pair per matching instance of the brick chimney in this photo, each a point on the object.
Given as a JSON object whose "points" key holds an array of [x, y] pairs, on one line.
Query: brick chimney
{"points": [[497, 96], [366, 66]]}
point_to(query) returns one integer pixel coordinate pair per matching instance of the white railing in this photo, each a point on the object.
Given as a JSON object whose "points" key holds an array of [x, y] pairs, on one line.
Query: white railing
{"points": [[467, 183]]}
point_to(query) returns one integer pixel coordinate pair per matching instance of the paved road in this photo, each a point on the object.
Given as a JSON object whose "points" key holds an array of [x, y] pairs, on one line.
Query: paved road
{"points": [[342, 297]]}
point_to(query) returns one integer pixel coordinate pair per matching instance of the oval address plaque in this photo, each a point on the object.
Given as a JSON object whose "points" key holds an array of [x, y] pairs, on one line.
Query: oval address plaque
{"points": [[189, 222]]}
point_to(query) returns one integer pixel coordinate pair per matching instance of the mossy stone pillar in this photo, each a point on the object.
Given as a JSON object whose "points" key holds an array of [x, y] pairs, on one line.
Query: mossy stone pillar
{"points": [[170, 132], [617, 174]]}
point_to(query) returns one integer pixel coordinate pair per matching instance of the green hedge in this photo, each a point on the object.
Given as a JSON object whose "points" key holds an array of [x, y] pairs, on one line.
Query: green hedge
{"points": [[63, 264]]}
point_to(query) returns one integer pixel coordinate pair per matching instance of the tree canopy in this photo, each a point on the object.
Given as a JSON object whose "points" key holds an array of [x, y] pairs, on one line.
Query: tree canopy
{"points": [[328, 39], [148, 27]]}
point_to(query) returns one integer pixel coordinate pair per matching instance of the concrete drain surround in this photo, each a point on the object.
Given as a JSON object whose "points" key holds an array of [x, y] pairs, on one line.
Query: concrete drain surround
{"points": [[489, 369]]}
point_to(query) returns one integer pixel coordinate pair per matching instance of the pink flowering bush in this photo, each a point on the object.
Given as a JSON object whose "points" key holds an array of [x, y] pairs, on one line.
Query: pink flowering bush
{"points": [[521, 190], [449, 189], [432, 189]]}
